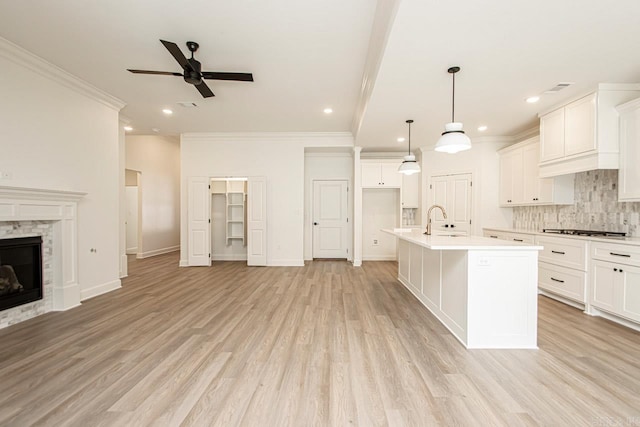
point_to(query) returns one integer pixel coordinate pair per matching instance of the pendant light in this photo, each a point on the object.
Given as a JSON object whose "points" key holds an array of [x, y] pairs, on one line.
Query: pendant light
{"points": [[453, 138], [409, 166]]}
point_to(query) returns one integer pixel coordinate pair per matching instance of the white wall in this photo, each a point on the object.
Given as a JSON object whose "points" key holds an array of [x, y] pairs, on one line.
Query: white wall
{"points": [[279, 158], [325, 166], [379, 210], [158, 160], [58, 133], [482, 160]]}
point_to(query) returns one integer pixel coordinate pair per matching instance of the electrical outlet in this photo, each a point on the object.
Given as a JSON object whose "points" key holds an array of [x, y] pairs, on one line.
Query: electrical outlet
{"points": [[5, 175], [375, 241]]}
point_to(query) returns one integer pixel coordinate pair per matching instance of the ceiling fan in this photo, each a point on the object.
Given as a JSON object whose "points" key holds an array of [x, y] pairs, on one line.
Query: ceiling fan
{"points": [[192, 70]]}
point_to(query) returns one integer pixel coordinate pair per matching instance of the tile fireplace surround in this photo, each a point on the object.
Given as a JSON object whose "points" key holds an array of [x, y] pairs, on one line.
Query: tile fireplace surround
{"points": [[53, 215]]}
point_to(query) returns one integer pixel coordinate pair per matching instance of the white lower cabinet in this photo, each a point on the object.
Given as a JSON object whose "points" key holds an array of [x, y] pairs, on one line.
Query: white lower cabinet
{"points": [[562, 268], [601, 277], [563, 281], [615, 286]]}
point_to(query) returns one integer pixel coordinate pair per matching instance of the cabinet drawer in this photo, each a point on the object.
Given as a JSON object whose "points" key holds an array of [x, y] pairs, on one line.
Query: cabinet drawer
{"points": [[495, 234], [621, 254], [523, 238], [564, 252], [563, 281]]}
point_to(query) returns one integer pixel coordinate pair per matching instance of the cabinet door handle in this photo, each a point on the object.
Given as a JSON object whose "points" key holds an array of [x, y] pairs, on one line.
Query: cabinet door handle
{"points": [[315, 223], [453, 225], [446, 226], [624, 255], [518, 240], [557, 280], [558, 252], [615, 269], [494, 237]]}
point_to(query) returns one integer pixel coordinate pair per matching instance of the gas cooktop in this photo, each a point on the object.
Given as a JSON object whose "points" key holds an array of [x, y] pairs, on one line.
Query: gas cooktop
{"points": [[592, 233]]}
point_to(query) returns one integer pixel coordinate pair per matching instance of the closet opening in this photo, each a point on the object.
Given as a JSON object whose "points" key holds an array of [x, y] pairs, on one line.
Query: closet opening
{"points": [[229, 219]]}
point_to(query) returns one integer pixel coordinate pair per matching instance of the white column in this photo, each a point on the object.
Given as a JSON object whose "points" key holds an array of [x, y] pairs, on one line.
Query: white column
{"points": [[357, 208]]}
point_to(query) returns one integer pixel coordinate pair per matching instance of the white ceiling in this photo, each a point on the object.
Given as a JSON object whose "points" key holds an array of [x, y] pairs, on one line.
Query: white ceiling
{"points": [[307, 55]]}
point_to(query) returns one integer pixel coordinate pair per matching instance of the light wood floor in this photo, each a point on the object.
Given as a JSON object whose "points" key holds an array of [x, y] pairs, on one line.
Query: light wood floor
{"points": [[322, 345]]}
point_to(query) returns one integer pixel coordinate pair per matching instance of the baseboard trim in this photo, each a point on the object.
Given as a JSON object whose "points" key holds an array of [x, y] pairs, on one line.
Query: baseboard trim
{"points": [[286, 263], [379, 258], [357, 263], [132, 251], [183, 263], [155, 252], [86, 294], [124, 266], [228, 257]]}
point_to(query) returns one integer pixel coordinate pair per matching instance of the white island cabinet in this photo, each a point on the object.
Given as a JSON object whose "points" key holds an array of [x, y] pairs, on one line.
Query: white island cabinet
{"points": [[483, 290]]}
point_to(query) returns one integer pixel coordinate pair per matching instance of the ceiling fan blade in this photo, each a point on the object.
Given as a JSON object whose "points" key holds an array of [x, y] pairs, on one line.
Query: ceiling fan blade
{"points": [[164, 73], [175, 51], [242, 77], [204, 90]]}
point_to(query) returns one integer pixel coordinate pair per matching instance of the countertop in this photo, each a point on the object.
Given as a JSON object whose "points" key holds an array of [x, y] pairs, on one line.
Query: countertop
{"points": [[633, 241], [459, 242]]}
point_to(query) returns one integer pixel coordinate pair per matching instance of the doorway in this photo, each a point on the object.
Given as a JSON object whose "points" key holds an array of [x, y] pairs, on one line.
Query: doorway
{"points": [[330, 219], [133, 221]]}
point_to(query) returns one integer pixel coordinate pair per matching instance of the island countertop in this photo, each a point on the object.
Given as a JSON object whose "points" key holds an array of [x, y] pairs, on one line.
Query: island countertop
{"points": [[458, 242]]}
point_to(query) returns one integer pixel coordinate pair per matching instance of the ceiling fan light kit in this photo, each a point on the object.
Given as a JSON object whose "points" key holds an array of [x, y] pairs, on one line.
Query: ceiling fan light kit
{"points": [[192, 69], [453, 138], [409, 166]]}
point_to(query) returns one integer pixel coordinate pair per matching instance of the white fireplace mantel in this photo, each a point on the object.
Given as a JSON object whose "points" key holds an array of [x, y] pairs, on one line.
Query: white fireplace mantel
{"points": [[61, 208]]}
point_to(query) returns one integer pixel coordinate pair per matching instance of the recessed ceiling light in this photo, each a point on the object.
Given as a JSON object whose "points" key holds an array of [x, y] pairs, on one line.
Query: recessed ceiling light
{"points": [[482, 128], [533, 99], [167, 111], [328, 110], [128, 128], [401, 139]]}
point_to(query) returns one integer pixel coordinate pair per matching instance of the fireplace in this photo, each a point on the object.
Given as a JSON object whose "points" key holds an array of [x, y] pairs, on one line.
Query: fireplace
{"points": [[20, 271]]}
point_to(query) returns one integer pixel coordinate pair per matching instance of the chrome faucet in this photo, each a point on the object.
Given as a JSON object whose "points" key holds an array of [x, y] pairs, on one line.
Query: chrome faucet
{"points": [[444, 214]]}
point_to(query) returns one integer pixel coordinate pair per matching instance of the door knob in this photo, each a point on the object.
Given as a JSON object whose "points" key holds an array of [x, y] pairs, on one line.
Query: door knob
{"points": [[315, 223]]}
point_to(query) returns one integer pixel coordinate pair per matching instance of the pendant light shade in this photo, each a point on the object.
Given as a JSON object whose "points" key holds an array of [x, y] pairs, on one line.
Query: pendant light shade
{"points": [[409, 166], [453, 138]]}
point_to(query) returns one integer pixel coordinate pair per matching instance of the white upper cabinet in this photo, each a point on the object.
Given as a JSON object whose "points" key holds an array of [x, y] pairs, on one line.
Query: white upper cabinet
{"points": [[520, 182], [381, 174], [552, 135], [511, 178], [629, 174], [410, 190], [580, 126], [583, 134]]}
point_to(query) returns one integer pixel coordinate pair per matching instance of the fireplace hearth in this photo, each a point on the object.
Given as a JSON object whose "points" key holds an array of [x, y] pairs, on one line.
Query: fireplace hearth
{"points": [[20, 271]]}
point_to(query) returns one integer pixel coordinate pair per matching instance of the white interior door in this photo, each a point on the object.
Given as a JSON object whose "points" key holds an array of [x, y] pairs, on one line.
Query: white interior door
{"points": [[131, 194], [453, 192], [199, 221], [257, 221], [330, 225]]}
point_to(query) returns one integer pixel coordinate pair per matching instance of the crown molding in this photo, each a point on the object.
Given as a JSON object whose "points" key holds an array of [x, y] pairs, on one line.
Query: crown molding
{"points": [[526, 134], [24, 58], [308, 139]]}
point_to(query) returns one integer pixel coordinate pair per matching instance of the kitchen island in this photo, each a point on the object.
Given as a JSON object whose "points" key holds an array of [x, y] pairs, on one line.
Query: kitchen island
{"points": [[483, 290]]}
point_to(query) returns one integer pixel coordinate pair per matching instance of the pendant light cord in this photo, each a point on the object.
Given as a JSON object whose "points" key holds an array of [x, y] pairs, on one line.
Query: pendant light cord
{"points": [[409, 138], [453, 102]]}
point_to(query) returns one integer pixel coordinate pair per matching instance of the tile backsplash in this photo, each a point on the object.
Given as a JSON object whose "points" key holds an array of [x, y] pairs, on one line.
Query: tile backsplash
{"points": [[596, 207]]}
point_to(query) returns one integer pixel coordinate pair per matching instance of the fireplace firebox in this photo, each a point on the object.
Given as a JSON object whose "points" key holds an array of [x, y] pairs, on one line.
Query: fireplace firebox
{"points": [[20, 271]]}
